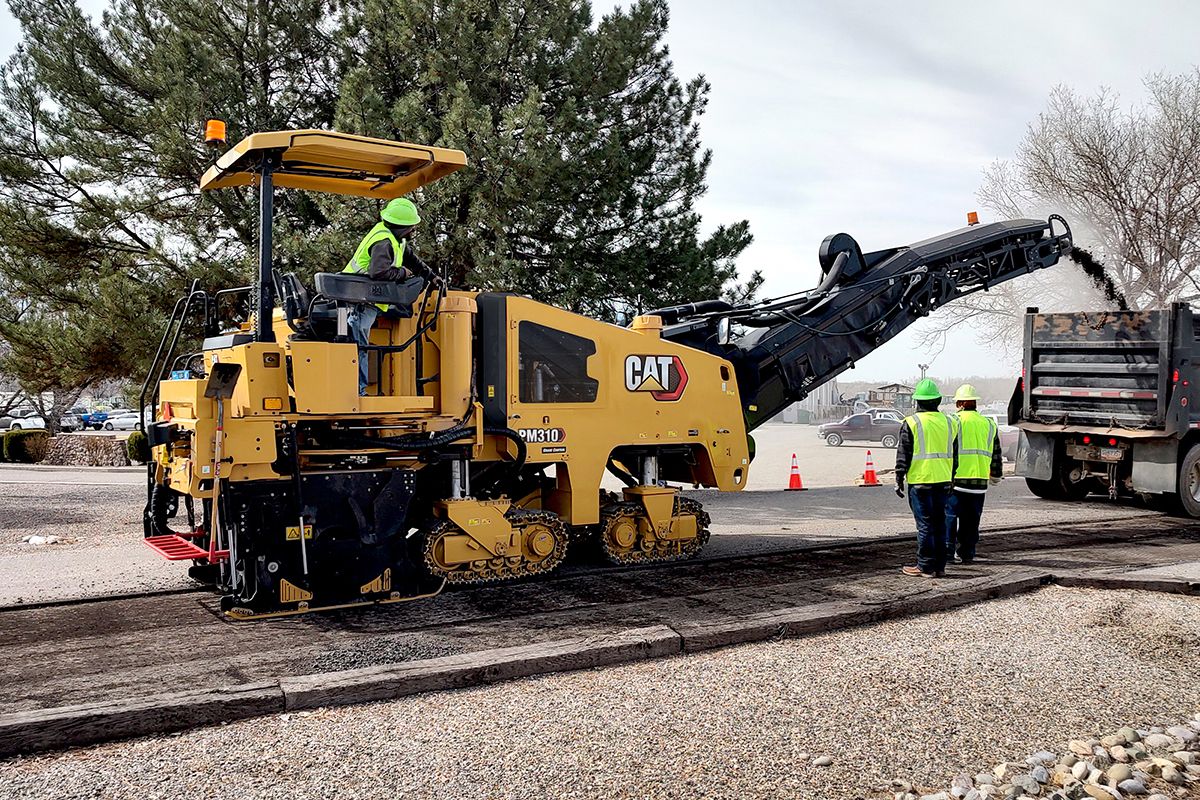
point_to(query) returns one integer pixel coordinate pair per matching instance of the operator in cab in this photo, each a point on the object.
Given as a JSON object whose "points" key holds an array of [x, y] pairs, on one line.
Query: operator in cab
{"points": [[979, 462], [384, 254], [926, 459]]}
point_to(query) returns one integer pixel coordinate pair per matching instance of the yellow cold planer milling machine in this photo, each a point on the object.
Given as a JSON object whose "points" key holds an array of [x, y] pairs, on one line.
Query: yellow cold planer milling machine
{"points": [[489, 420]]}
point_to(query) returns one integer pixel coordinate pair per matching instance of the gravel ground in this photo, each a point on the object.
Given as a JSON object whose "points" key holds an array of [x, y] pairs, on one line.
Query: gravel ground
{"points": [[80, 516], [922, 699]]}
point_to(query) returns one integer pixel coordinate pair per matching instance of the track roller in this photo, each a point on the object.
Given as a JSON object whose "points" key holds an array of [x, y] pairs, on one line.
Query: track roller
{"points": [[627, 535]]}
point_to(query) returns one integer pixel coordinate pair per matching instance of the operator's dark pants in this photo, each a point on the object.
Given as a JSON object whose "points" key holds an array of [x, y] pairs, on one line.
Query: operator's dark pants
{"points": [[963, 510], [928, 503]]}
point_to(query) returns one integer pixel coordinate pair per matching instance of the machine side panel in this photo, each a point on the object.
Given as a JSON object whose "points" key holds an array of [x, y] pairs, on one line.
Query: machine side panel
{"points": [[492, 353]]}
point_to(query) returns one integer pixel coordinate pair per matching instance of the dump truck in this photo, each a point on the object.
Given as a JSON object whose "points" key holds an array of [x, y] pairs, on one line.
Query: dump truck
{"points": [[490, 419], [1106, 403]]}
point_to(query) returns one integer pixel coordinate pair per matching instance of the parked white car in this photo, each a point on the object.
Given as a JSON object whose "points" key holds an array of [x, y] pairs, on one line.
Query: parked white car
{"points": [[27, 422], [127, 421]]}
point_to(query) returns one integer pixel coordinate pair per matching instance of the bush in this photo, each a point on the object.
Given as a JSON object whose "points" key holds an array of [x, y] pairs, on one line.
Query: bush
{"points": [[137, 447], [26, 447]]}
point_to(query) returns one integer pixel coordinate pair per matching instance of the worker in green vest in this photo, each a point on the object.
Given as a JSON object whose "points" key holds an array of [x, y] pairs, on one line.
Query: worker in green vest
{"points": [[925, 461], [979, 462], [384, 254]]}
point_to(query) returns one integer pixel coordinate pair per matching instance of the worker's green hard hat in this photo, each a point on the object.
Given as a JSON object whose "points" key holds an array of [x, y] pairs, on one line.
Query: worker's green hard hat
{"points": [[400, 211], [927, 390]]}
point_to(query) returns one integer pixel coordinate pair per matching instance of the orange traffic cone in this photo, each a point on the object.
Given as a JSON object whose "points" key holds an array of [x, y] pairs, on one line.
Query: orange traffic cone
{"points": [[794, 483], [869, 478]]}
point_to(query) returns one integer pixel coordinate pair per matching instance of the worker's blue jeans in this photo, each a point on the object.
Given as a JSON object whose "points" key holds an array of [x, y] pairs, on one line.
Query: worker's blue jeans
{"points": [[362, 317], [963, 510], [928, 503]]}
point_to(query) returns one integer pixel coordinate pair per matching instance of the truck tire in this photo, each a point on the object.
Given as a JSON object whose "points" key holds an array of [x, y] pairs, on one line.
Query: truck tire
{"points": [[889, 441], [833, 440], [1189, 483], [1060, 488], [1047, 490]]}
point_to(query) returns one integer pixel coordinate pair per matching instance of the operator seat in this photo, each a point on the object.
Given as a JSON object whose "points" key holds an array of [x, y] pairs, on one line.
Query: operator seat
{"points": [[315, 316]]}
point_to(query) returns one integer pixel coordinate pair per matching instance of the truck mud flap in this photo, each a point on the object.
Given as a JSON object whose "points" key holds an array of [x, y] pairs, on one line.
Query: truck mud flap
{"points": [[1155, 468], [1035, 456]]}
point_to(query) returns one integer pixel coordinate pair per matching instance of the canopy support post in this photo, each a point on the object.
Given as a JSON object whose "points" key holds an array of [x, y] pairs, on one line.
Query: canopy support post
{"points": [[264, 294]]}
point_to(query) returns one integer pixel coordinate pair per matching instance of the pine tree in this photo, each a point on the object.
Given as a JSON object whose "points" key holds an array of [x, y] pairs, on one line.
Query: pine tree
{"points": [[585, 156], [584, 148], [101, 222]]}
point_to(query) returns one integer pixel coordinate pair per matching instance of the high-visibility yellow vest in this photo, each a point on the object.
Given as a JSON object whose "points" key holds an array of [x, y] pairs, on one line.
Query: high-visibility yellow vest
{"points": [[976, 442], [360, 262], [933, 447]]}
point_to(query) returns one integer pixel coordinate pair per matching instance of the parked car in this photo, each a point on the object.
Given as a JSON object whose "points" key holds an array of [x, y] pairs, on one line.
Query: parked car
{"points": [[23, 419], [1009, 436], [126, 420], [97, 418], [874, 425], [72, 420]]}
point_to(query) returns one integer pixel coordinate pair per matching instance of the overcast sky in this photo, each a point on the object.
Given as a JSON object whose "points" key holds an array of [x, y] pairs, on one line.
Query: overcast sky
{"points": [[878, 118]]}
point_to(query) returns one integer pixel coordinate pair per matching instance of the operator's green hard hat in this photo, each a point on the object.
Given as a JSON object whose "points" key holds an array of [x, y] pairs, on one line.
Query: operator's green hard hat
{"points": [[400, 211], [966, 392], [927, 390]]}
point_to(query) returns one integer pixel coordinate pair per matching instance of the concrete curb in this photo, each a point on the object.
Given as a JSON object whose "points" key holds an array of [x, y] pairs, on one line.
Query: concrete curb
{"points": [[1124, 580], [825, 617], [62, 468], [72, 726]]}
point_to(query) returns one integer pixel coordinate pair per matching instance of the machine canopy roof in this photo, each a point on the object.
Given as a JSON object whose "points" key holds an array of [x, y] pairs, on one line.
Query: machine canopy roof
{"points": [[338, 163]]}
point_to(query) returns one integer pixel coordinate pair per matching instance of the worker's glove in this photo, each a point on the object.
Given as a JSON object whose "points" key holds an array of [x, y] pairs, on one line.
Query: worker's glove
{"points": [[900, 490], [995, 480]]}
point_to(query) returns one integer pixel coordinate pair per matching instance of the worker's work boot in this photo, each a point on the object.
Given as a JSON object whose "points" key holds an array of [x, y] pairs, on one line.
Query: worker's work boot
{"points": [[915, 572]]}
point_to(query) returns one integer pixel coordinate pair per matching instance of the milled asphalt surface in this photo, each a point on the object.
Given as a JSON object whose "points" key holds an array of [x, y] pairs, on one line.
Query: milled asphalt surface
{"points": [[97, 514], [920, 699]]}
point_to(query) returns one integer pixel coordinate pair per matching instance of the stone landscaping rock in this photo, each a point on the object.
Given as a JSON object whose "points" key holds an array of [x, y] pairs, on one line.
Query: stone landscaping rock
{"points": [[1132, 786], [1081, 769], [1080, 748], [1120, 754], [1101, 758], [822, 761], [1042, 757], [1186, 757], [1099, 792], [985, 779], [1118, 772], [1158, 740], [1069, 760], [1113, 740], [1028, 784], [1040, 774], [1130, 735], [1185, 735], [938, 796], [1172, 775]]}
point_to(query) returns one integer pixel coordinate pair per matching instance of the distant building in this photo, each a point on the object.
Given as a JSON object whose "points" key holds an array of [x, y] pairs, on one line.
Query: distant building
{"points": [[823, 403], [893, 395]]}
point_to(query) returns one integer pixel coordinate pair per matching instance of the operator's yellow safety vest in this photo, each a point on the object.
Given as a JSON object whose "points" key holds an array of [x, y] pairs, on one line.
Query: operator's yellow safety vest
{"points": [[360, 262], [933, 447], [976, 442]]}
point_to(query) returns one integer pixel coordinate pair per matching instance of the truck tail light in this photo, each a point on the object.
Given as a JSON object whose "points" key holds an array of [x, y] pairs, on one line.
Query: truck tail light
{"points": [[1087, 440], [1175, 376], [1112, 442]]}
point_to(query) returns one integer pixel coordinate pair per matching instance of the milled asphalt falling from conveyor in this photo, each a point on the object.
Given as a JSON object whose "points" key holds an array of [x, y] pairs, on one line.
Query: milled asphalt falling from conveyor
{"points": [[1095, 271]]}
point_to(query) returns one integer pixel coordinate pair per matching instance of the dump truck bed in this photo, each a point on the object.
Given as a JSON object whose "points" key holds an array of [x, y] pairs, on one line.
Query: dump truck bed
{"points": [[1111, 369]]}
